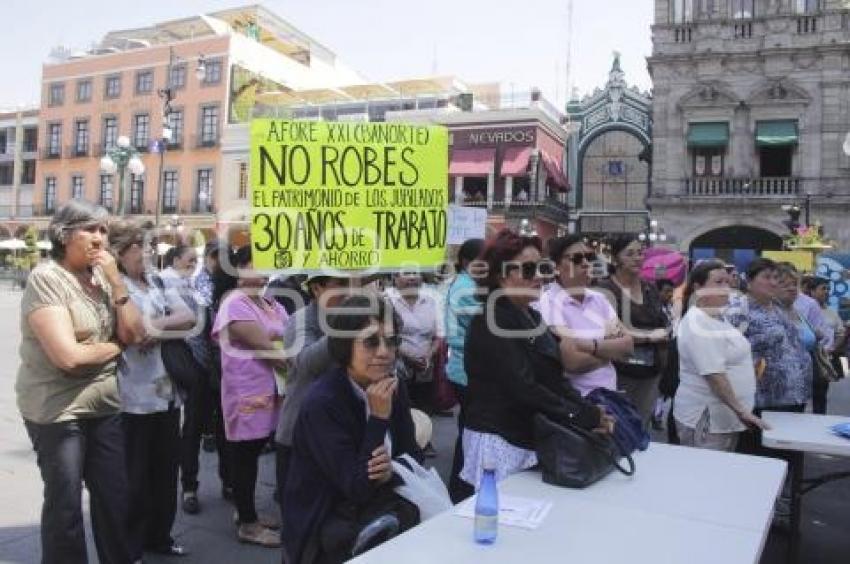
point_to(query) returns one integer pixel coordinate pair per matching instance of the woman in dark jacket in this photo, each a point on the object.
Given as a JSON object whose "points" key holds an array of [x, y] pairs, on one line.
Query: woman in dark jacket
{"points": [[513, 363], [352, 422]]}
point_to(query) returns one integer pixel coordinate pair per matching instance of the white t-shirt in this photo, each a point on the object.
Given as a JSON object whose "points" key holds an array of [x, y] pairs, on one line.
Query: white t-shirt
{"points": [[712, 346]]}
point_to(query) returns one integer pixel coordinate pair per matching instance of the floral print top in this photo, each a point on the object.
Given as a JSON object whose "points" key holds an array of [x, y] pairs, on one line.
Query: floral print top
{"points": [[774, 337]]}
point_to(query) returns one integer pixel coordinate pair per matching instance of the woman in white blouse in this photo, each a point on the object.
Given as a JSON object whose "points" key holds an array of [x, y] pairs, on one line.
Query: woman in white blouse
{"points": [[715, 399]]}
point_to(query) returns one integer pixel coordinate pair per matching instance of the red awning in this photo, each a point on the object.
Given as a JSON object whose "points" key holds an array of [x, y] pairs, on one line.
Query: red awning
{"points": [[472, 162], [515, 161], [554, 170]]}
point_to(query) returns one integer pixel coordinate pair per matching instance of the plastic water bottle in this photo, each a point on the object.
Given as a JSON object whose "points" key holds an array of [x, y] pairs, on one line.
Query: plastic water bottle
{"points": [[487, 506]]}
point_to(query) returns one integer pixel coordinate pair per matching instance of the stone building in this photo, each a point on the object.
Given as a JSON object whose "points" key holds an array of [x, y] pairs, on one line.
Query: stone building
{"points": [[751, 107], [608, 158]]}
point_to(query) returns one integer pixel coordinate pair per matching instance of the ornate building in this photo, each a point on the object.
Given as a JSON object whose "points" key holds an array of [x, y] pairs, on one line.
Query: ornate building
{"points": [[751, 106], [608, 157]]}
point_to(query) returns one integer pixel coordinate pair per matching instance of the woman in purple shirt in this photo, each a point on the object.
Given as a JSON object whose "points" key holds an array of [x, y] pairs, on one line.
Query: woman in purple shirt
{"points": [[585, 321], [249, 329]]}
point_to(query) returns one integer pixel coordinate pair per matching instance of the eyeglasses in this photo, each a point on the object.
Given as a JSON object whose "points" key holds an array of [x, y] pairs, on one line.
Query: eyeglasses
{"points": [[530, 270], [577, 258], [372, 342]]}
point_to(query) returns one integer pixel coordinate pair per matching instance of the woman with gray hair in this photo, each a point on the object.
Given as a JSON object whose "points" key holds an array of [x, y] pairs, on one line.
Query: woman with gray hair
{"points": [[75, 315]]}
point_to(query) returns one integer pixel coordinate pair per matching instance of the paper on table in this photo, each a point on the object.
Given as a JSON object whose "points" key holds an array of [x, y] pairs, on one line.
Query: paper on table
{"points": [[520, 512]]}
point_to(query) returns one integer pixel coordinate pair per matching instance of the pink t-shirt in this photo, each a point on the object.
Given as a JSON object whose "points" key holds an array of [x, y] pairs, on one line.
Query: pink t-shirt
{"points": [[591, 318], [249, 398]]}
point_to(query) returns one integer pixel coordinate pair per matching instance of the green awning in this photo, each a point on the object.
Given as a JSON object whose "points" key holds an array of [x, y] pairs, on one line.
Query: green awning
{"points": [[711, 134], [773, 133]]}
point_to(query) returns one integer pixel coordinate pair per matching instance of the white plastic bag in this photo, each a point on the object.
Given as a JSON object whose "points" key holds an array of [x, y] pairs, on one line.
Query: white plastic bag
{"points": [[423, 487]]}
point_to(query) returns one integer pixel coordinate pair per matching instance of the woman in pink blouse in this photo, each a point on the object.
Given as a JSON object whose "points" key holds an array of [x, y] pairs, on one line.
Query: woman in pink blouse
{"points": [[249, 329]]}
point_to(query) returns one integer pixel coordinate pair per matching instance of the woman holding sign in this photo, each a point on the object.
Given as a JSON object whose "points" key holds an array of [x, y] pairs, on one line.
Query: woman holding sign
{"points": [[249, 329]]}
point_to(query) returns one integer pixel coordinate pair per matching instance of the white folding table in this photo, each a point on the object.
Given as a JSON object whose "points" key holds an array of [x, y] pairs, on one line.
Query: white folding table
{"points": [[802, 433], [682, 505]]}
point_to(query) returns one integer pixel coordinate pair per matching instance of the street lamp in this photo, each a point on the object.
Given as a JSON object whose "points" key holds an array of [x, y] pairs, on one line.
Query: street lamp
{"points": [[654, 234], [120, 158], [167, 94]]}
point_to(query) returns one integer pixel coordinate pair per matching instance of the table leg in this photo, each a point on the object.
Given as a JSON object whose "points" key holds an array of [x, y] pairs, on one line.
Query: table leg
{"points": [[796, 460]]}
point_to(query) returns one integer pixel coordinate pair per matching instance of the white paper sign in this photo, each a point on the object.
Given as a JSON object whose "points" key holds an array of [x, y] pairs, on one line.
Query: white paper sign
{"points": [[521, 512], [466, 223]]}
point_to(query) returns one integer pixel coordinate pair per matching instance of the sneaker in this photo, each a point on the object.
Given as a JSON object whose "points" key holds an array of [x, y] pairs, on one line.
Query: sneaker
{"points": [[172, 549], [191, 505], [268, 522], [255, 533], [208, 443]]}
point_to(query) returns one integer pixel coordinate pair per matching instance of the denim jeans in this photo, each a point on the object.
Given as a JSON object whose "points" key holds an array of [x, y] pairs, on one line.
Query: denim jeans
{"points": [[70, 453]]}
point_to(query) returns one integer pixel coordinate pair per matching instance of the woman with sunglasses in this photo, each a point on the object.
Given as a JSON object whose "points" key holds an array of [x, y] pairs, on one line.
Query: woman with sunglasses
{"points": [[639, 308], [150, 403], [590, 331], [249, 330], [75, 315], [354, 419], [513, 364]]}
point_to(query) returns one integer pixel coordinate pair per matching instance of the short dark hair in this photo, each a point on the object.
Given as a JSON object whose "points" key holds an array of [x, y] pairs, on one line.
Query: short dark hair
{"points": [[817, 281], [699, 275], [468, 252], [364, 308], [618, 245], [500, 250], [758, 266], [558, 245], [174, 253], [662, 283]]}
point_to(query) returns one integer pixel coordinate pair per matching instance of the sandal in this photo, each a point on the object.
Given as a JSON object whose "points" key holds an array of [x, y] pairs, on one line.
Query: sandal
{"points": [[255, 533]]}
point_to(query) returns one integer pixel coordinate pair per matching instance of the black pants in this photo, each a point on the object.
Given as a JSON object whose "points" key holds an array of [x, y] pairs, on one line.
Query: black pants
{"points": [[820, 387], [244, 460], [224, 471], [153, 448], [197, 411], [459, 489], [68, 453]]}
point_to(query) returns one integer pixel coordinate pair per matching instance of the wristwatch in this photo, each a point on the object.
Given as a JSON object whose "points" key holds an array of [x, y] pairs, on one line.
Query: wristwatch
{"points": [[121, 301]]}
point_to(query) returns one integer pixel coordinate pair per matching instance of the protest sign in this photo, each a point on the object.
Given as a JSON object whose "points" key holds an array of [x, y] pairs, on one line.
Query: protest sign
{"points": [[347, 196], [466, 223]]}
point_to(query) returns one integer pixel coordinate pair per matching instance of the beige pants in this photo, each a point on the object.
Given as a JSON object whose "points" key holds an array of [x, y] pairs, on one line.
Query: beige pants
{"points": [[643, 392], [700, 437]]}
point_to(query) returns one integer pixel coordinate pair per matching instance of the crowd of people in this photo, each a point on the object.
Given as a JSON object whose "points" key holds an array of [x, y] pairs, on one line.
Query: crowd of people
{"points": [[127, 370]]}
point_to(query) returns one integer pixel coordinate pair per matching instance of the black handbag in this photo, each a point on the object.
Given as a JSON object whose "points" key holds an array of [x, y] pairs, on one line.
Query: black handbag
{"points": [[180, 364], [574, 457]]}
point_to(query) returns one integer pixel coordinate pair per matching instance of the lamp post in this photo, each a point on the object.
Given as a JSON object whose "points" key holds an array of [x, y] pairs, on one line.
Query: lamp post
{"points": [[167, 94], [653, 234], [120, 158]]}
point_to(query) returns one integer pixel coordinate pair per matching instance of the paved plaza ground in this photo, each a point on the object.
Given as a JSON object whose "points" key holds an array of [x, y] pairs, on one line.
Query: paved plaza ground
{"points": [[211, 536]]}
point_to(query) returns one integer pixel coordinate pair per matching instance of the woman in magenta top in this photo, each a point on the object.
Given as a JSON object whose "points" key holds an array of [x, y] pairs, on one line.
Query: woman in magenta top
{"points": [[249, 330]]}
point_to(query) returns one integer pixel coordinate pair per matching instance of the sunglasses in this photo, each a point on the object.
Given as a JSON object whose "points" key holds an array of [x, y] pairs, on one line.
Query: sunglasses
{"points": [[577, 258], [531, 270], [372, 342]]}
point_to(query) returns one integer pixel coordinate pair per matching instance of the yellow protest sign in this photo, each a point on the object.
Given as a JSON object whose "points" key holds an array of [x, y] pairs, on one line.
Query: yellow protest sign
{"points": [[347, 196], [804, 261]]}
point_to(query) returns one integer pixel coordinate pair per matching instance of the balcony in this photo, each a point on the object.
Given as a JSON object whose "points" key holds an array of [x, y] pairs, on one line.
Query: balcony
{"points": [[77, 151], [54, 152], [722, 187], [552, 207], [205, 141]]}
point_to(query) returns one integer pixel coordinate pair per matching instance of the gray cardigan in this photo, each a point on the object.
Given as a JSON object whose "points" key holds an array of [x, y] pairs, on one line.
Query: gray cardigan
{"points": [[304, 368]]}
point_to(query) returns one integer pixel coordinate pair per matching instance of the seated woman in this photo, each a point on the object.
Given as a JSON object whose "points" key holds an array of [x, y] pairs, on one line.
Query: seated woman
{"points": [[514, 366], [353, 420]]}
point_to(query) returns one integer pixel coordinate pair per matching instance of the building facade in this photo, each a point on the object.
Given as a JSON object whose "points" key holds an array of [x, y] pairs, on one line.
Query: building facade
{"points": [[609, 158], [18, 170], [751, 106], [214, 65]]}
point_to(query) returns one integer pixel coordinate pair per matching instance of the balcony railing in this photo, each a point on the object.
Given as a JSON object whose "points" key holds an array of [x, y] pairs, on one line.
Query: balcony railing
{"points": [[742, 187], [683, 34], [54, 152], [75, 151], [807, 24], [205, 141]]}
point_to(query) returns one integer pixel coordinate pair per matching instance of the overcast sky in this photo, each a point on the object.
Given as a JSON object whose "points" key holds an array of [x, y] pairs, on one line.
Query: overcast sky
{"points": [[522, 43]]}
